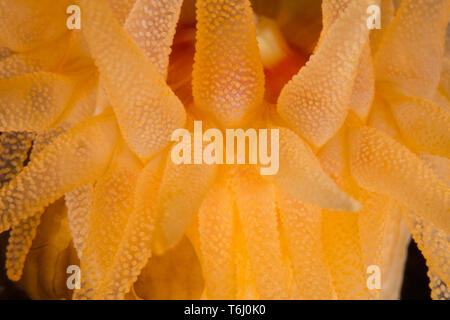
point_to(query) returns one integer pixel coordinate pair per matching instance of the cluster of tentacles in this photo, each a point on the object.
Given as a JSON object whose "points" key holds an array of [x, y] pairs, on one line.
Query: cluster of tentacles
{"points": [[87, 115]]}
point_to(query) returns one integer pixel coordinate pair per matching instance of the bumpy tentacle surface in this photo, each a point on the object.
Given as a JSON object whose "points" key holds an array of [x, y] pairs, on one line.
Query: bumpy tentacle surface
{"points": [[45, 268], [366, 155], [228, 79], [19, 244], [146, 108], [135, 246], [364, 85], [112, 203], [33, 101], [302, 224], [340, 237], [387, 10], [46, 58], [423, 124], [26, 24], [432, 240], [152, 25], [255, 200], [79, 202], [86, 149], [316, 101], [14, 148], [216, 231], [341, 231], [373, 164], [179, 201], [22, 235], [418, 30], [301, 176], [121, 9]]}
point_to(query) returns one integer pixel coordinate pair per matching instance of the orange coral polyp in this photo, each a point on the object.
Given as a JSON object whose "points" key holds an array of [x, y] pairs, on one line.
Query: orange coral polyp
{"points": [[363, 149]]}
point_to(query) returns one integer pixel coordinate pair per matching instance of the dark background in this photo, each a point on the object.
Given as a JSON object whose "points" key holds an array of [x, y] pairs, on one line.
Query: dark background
{"points": [[415, 281]]}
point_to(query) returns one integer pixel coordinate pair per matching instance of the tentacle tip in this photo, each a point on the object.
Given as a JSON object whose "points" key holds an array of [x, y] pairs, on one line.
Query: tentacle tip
{"points": [[13, 275]]}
